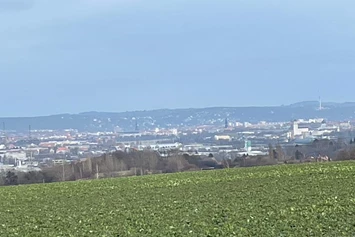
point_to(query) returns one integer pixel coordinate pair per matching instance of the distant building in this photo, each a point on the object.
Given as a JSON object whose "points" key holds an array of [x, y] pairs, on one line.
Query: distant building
{"points": [[296, 130], [247, 146], [47, 144], [63, 150], [129, 134], [222, 137], [167, 146], [16, 154], [238, 124], [247, 124], [58, 161]]}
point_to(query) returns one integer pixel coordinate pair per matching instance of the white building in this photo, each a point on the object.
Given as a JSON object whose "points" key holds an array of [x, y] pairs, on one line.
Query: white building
{"points": [[297, 131], [16, 154], [222, 137]]}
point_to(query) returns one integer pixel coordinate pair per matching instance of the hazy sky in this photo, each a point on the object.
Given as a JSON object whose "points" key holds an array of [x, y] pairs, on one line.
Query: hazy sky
{"points": [[62, 56]]}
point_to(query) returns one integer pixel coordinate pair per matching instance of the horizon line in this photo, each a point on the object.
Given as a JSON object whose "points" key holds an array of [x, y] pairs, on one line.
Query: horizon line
{"points": [[182, 108]]}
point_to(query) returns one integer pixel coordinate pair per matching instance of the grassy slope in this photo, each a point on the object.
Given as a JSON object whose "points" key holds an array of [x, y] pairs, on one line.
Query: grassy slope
{"points": [[295, 200]]}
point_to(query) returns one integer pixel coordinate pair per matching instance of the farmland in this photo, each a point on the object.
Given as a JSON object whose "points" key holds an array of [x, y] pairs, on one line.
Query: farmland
{"points": [[294, 200]]}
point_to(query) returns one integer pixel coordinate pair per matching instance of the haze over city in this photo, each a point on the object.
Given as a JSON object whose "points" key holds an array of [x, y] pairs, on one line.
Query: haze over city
{"points": [[72, 56], [177, 118]]}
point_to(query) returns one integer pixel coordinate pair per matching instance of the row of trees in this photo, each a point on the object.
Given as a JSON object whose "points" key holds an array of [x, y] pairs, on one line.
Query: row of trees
{"points": [[323, 147], [148, 162], [113, 165], [346, 154], [15, 178]]}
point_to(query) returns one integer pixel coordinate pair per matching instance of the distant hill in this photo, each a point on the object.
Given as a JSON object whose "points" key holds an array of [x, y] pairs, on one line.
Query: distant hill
{"points": [[168, 118], [305, 104]]}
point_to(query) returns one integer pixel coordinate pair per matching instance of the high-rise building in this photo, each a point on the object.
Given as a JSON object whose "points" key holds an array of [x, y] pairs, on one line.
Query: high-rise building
{"points": [[247, 146]]}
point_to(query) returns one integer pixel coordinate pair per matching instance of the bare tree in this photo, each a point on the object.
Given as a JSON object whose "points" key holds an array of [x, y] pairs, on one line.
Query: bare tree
{"points": [[151, 160], [280, 152], [226, 163], [271, 152], [343, 155], [176, 164]]}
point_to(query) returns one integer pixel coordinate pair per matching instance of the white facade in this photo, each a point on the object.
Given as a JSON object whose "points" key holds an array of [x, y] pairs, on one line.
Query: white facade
{"points": [[222, 137], [296, 131], [18, 155]]}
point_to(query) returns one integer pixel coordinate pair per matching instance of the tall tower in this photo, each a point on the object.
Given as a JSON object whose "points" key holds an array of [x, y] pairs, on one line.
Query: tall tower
{"points": [[136, 126], [320, 103], [4, 132], [29, 132], [226, 123]]}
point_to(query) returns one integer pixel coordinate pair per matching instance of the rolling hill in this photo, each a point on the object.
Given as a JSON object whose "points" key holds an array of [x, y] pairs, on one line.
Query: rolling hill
{"points": [[168, 118]]}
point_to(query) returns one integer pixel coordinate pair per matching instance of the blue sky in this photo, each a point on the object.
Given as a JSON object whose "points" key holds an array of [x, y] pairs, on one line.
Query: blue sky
{"points": [[70, 56]]}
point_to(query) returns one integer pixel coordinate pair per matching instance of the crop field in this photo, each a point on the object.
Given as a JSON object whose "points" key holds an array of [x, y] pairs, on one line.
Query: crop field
{"points": [[294, 200]]}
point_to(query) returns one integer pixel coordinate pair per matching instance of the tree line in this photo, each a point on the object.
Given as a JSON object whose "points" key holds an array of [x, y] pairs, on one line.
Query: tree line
{"points": [[136, 163], [117, 164]]}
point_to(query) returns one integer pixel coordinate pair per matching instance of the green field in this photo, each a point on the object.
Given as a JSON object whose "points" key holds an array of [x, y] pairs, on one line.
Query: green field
{"points": [[293, 200]]}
